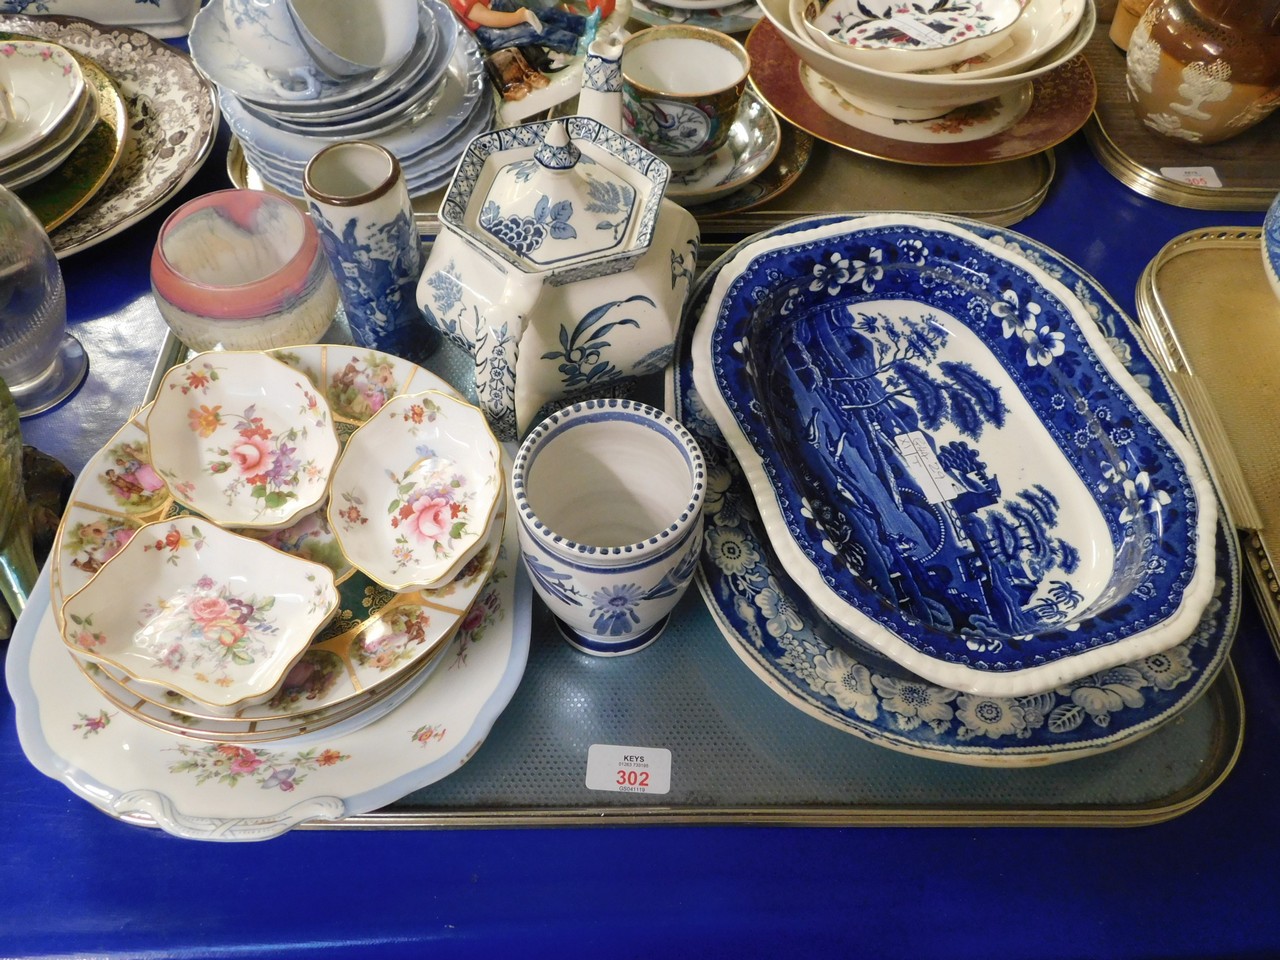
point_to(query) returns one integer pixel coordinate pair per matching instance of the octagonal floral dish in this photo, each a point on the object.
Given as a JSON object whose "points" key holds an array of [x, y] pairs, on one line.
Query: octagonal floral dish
{"points": [[416, 490], [188, 606], [950, 460], [242, 439]]}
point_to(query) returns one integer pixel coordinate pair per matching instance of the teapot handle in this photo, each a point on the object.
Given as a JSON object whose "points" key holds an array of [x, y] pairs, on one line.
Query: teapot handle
{"points": [[497, 349]]}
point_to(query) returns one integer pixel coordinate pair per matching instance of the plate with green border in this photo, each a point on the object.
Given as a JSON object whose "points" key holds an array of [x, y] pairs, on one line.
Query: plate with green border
{"points": [[59, 194]]}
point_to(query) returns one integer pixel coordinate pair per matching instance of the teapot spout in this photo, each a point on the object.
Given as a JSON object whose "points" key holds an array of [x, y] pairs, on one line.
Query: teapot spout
{"points": [[497, 350], [601, 94]]}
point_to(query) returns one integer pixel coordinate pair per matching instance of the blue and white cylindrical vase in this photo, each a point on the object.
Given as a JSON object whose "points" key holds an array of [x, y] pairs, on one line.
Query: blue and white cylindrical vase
{"points": [[608, 497], [361, 207]]}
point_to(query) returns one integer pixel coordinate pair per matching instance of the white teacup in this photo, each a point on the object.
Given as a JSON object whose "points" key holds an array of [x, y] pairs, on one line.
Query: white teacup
{"points": [[348, 39], [265, 33], [681, 89], [608, 495]]}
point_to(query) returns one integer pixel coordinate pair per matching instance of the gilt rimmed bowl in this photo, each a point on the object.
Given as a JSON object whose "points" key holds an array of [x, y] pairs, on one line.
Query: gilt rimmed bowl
{"points": [[949, 459], [416, 491], [907, 37], [919, 96], [242, 439], [189, 607]]}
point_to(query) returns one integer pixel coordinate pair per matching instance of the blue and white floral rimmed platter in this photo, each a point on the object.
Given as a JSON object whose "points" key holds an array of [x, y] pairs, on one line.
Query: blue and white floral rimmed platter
{"points": [[770, 624], [949, 459]]}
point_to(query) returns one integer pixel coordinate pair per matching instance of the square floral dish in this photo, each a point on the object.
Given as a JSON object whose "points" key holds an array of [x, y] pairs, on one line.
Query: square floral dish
{"points": [[242, 439], [221, 618], [949, 459], [416, 490]]}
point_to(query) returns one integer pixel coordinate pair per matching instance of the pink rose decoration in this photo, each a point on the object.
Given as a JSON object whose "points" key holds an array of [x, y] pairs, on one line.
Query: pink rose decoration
{"points": [[252, 455], [430, 519], [208, 609]]}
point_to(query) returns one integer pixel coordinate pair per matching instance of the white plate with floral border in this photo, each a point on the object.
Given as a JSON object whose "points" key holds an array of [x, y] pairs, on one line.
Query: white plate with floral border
{"points": [[770, 625]]}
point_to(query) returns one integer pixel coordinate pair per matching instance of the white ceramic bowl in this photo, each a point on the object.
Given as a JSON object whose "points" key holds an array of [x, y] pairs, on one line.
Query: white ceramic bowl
{"points": [[242, 439], [890, 35], [416, 490], [919, 96], [189, 607]]}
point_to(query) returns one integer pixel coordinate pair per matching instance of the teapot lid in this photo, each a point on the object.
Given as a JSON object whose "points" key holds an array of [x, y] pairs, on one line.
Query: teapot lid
{"points": [[570, 196]]}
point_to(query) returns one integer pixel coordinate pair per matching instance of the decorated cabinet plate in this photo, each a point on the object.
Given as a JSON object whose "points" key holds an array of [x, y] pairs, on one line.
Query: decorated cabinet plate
{"points": [[770, 623], [378, 637], [950, 459]]}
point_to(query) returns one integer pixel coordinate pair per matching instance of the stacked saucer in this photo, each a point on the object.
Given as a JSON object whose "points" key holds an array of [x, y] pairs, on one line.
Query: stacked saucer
{"points": [[51, 102], [242, 619], [424, 107]]}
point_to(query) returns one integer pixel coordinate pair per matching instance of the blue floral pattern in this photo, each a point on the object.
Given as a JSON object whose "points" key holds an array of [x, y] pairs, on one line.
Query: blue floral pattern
{"points": [[870, 426], [771, 624]]}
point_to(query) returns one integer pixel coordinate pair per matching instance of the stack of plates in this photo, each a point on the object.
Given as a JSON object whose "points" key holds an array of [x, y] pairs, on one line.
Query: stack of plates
{"points": [[424, 109], [65, 120], [157, 123], [395, 692]]}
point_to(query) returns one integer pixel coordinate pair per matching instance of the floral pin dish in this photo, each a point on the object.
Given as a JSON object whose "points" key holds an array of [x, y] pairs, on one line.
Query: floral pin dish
{"points": [[416, 490], [189, 607], [242, 439]]}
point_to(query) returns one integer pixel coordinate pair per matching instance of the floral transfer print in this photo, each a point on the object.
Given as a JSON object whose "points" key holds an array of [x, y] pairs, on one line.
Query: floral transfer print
{"points": [[256, 459], [209, 630], [362, 386], [91, 725], [428, 733], [231, 764]]}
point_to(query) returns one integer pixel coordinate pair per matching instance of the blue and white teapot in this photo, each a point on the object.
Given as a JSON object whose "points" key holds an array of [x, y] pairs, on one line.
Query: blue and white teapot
{"points": [[560, 266]]}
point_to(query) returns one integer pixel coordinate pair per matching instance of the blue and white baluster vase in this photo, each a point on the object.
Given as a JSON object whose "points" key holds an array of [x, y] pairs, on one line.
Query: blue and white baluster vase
{"points": [[360, 204]]}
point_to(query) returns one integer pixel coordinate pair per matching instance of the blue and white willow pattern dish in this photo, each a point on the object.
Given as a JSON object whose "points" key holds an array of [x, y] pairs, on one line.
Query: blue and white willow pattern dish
{"points": [[948, 458], [769, 623]]}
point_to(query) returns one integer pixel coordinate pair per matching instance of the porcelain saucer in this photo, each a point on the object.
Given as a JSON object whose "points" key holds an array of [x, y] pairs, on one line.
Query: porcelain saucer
{"points": [[1062, 100], [976, 121], [63, 191], [46, 85], [725, 17], [753, 143]]}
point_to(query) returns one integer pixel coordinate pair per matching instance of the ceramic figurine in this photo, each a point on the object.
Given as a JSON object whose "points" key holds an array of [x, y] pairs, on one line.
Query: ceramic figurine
{"points": [[560, 267]]}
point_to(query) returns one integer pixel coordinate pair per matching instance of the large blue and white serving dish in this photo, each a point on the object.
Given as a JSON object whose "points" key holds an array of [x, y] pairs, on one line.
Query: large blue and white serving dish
{"points": [[948, 458]]}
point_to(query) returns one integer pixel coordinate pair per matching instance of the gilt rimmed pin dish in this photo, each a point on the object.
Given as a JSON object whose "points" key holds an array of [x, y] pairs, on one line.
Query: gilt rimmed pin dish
{"points": [[190, 607], [950, 460], [801, 656], [416, 490], [242, 439]]}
